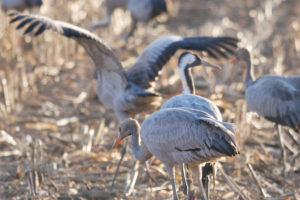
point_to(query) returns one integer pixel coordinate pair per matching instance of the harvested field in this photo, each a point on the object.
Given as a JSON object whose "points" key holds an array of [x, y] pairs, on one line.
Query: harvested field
{"points": [[56, 137]]}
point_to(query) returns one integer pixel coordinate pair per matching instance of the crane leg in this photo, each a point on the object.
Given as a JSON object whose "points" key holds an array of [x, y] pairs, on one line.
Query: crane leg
{"points": [[185, 185], [134, 173], [283, 154], [205, 183], [148, 175], [132, 179], [119, 164], [197, 176], [206, 171], [171, 172]]}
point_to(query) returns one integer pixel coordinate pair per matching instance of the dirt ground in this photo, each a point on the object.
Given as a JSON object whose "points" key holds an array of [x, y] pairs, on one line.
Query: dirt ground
{"points": [[56, 137]]}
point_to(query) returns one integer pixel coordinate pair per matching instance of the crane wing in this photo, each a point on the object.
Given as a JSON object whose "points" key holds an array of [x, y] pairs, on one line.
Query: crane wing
{"points": [[102, 55], [193, 102], [294, 80], [158, 53], [188, 134], [276, 99]]}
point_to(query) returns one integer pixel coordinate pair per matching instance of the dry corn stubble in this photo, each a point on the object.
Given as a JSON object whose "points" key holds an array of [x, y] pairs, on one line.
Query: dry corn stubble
{"points": [[55, 136]]}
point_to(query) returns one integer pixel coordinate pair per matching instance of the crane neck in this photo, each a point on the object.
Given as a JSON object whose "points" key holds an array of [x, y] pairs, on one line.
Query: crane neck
{"points": [[140, 151], [186, 80], [250, 78]]}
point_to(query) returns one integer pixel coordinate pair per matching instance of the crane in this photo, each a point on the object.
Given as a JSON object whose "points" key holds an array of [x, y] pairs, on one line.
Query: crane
{"points": [[276, 98], [188, 99], [19, 4], [177, 136], [140, 10], [127, 91]]}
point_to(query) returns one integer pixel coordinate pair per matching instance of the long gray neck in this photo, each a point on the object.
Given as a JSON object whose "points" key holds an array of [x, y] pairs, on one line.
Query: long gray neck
{"points": [[250, 78], [187, 80], [139, 149]]}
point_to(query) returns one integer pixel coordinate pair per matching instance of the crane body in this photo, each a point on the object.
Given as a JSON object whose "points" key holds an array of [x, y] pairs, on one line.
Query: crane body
{"points": [[276, 98], [184, 131]]}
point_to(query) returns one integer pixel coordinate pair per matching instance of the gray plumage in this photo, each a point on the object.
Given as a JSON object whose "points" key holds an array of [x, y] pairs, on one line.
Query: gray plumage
{"points": [[188, 100], [184, 131], [195, 102], [127, 91], [140, 10], [19, 4], [277, 98], [180, 135]]}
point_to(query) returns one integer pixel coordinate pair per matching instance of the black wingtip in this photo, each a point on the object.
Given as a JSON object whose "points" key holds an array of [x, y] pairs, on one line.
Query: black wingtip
{"points": [[215, 47], [31, 27], [223, 146], [24, 22], [232, 41], [11, 14], [17, 18], [41, 29]]}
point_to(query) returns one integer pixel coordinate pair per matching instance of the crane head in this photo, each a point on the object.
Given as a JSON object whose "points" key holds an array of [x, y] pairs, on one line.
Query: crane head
{"points": [[188, 59], [127, 128], [241, 55]]}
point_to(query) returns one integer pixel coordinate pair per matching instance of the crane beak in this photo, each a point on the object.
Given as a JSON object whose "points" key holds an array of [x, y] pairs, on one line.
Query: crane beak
{"points": [[117, 142], [207, 64]]}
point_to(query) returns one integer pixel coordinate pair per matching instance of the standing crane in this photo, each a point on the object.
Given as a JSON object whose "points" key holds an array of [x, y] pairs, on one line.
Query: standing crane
{"points": [[178, 136], [140, 10], [127, 91], [276, 98], [189, 100], [19, 4]]}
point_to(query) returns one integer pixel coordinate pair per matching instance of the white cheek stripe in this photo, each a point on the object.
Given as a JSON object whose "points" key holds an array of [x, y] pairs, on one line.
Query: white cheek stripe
{"points": [[187, 59]]}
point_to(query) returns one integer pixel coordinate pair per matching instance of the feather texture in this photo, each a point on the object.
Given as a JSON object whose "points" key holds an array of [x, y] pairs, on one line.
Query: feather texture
{"points": [[127, 92], [277, 98], [159, 52], [186, 130]]}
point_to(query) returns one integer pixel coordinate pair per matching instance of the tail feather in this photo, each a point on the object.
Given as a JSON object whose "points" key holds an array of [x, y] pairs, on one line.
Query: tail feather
{"points": [[222, 145]]}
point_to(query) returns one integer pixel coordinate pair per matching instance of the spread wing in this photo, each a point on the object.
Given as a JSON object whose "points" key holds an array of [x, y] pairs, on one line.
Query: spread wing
{"points": [[158, 53], [103, 57]]}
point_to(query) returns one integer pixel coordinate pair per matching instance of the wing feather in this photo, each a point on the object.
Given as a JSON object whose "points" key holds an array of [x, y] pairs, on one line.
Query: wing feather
{"points": [[158, 53], [192, 134], [102, 55]]}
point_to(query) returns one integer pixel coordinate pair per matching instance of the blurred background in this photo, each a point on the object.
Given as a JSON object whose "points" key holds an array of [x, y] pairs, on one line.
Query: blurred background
{"points": [[54, 130]]}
